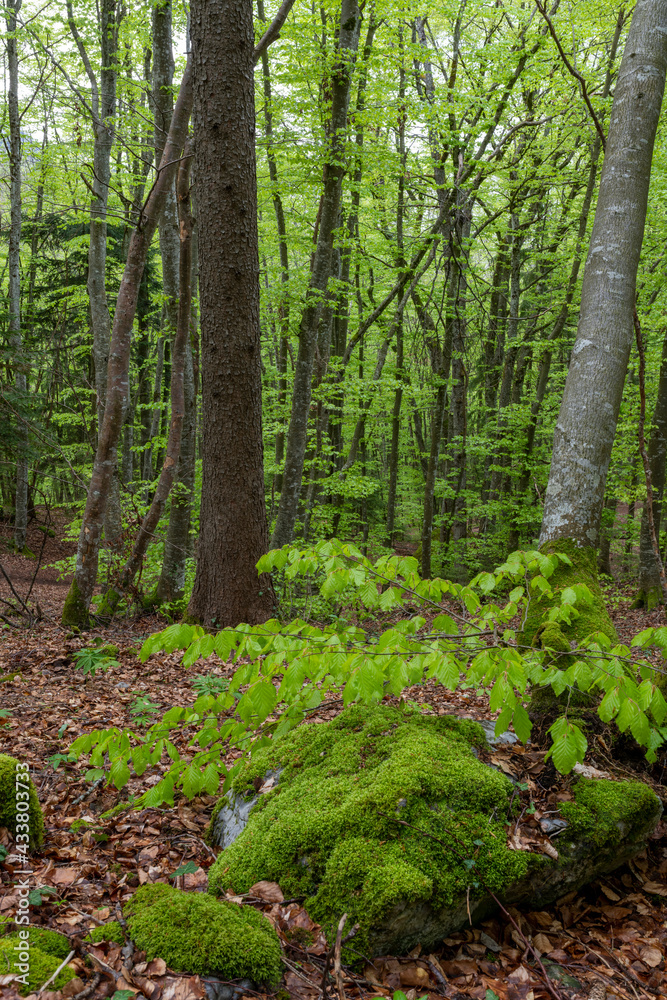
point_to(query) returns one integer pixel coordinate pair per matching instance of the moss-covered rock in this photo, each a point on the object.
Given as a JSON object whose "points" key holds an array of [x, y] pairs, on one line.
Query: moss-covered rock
{"points": [[8, 801], [107, 932], [39, 967], [195, 933], [591, 618], [390, 817]]}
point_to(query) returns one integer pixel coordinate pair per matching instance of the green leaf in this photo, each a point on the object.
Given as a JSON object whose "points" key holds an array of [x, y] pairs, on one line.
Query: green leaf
{"points": [[189, 868], [522, 723]]}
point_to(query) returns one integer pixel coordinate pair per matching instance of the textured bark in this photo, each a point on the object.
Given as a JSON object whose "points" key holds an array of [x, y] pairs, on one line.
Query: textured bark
{"points": [[168, 473], [155, 412], [591, 402], [459, 403], [341, 80], [78, 599], [14, 269], [163, 107], [233, 529]]}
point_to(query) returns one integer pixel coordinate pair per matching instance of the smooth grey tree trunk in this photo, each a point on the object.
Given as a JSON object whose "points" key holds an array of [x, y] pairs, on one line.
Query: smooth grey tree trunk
{"points": [[14, 269], [591, 402]]}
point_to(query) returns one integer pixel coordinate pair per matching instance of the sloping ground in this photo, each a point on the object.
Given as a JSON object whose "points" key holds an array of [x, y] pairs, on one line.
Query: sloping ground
{"points": [[612, 934]]}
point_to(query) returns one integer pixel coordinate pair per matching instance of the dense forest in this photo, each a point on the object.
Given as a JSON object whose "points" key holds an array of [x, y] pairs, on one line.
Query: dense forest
{"points": [[335, 362], [423, 221]]}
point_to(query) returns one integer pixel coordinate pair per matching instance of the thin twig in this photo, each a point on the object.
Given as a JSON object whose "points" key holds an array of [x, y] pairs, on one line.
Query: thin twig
{"points": [[57, 972]]}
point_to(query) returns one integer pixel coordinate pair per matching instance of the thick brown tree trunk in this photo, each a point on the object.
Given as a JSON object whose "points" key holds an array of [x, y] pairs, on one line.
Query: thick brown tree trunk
{"points": [[233, 528], [75, 611]]}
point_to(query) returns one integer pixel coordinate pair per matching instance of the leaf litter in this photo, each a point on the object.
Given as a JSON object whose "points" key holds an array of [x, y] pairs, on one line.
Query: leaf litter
{"points": [[608, 940]]}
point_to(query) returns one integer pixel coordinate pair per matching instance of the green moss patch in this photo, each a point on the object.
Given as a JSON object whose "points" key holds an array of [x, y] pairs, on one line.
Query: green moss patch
{"points": [[374, 810], [41, 965], [107, 932], [593, 617], [195, 933], [8, 801], [607, 813]]}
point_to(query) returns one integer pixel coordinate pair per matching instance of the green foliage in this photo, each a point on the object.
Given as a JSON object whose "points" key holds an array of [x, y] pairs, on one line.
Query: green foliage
{"points": [[286, 670], [94, 659], [193, 932], [143, 709], [208, 684]]}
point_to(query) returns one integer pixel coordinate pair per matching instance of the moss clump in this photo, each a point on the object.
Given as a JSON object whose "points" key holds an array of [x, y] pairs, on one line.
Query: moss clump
{"points": [[329, 831], [195, 933], [50, 942], [602, 810], [41, 966], [107, 932], [593, 617], [75, 609], [8, 790]]}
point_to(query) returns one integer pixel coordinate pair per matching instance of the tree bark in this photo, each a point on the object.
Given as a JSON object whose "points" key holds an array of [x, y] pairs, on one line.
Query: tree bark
{"points": [[591, 402], [14, 269], [341, 81], [233, 528], [75, 611], [146, 532], [650, 590]]}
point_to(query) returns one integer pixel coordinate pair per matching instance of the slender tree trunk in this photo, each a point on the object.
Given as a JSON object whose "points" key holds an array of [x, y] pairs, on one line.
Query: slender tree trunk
{"points": [[283, 309], [75, 611], [341, 77], [591, 402], [650, 590], [14, 269], [146, 532], [233, 528], [155, 414]]}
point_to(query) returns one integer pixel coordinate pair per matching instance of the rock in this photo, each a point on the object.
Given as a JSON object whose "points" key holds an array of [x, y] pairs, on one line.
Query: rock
{"points": [[389, 816], [231, 817], [12, 782], [505, 739]]}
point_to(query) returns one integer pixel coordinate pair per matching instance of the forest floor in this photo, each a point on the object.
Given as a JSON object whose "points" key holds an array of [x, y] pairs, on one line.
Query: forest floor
{"points": [[612, 934]]}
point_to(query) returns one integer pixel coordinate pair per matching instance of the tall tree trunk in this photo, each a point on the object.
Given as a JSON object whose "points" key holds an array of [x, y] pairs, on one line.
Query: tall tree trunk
{"points": [[591, 402], [650, 590], [341, 81], [103, 104], [75, 611], [283, 309], [233, 528], [586, 424], [14, 268], [178, 364]]}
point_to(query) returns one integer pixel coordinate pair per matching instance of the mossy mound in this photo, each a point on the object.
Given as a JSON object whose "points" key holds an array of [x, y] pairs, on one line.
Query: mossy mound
{"points": [[592, 617], [40, 965], [195, 933], [390, 817], [608, 814], [8, 801], [107, 932], [352, 823]]}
